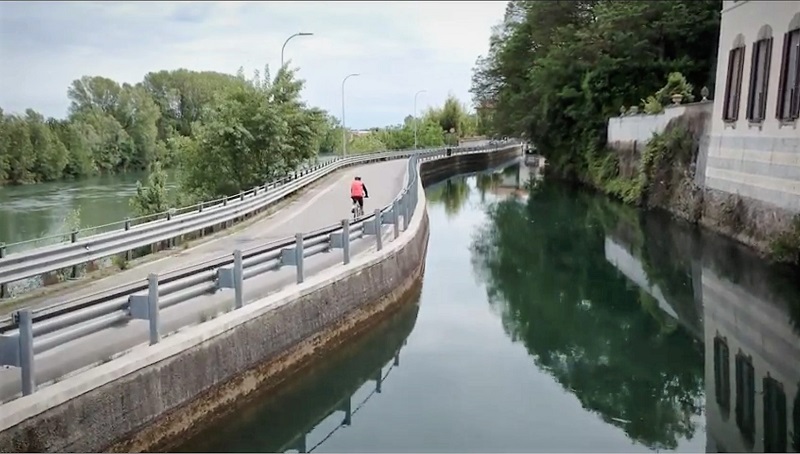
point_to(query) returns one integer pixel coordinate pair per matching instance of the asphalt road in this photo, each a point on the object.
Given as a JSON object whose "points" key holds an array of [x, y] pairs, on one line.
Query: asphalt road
{"points": [[315, 208]]}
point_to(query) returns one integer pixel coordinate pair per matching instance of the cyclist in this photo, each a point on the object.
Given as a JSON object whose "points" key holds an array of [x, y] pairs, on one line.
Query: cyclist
{"points": [[358, 192]]}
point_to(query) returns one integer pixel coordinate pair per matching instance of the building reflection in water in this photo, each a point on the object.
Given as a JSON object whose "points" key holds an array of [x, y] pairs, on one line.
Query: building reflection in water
{"points": [[751, 333], [752, 370]]}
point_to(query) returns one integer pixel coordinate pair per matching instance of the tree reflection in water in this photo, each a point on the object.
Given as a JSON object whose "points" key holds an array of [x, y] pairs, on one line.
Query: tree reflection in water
{"points": [[545, 270]]}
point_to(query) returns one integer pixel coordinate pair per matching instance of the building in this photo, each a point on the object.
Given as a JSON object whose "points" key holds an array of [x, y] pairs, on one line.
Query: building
{"points": [[754, 137]]}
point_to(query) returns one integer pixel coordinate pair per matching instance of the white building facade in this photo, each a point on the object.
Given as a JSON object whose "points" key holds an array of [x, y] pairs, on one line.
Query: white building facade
{"points": [[754, 146]]}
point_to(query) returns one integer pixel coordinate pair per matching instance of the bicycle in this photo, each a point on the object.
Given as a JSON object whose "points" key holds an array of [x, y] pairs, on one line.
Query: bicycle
{"points": [[357, 210]]}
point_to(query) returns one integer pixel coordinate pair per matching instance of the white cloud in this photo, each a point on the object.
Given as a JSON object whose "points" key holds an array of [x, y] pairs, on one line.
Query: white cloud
{"points": [[397, 47]]}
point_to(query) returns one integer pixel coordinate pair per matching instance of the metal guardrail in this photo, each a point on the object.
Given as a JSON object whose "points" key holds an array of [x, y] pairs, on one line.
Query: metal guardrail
{"points": [[30, 332], [36, 262]]}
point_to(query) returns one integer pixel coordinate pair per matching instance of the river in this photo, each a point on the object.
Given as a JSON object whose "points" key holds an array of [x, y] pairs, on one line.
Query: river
{"points": [[29, 213], [554, 320]]}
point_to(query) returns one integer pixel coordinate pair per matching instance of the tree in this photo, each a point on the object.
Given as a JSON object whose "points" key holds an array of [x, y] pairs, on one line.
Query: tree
{"points": [[555, 71], [254, 132], [154, 197], [50, 154]]}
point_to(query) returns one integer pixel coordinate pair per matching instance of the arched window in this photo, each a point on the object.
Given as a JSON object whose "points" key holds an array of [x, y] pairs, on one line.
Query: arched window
{"points": [[759, 75], [789, 87], [733, 85]]}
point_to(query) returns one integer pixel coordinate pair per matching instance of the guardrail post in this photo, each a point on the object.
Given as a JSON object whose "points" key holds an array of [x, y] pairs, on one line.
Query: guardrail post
{"points": [[346, 241], [152, 308], [342, 240], [406, 210], [298, 253], [238, 279], [3, 287], [241, 195], [378, 236], [26, 360], [396, 218], [200, 207], [171, 241], [145, 307], [128, 253], [73, 239]]}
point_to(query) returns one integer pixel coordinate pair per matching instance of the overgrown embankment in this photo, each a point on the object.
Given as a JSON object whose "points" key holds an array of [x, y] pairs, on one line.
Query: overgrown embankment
{"points": [[662, 176]]}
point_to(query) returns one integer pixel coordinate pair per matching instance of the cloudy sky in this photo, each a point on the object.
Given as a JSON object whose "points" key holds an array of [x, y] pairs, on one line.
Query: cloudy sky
{"points": [[398, 48]]}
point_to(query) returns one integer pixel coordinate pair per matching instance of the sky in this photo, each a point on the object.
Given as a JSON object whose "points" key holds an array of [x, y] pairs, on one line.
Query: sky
{"points": [[398, 48]]}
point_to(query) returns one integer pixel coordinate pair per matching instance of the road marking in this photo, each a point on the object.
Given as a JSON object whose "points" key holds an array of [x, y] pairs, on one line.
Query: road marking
{"points": [[308, 204]]}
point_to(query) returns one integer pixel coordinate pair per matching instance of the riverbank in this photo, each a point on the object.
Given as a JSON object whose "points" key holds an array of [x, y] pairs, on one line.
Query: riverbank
{"points": [[660, 162]]}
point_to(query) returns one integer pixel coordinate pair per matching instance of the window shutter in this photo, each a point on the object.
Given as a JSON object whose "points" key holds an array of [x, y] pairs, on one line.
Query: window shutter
{"points": [[739, 71], [728, 86], [782, 79], [767, 66], [751, 94]]}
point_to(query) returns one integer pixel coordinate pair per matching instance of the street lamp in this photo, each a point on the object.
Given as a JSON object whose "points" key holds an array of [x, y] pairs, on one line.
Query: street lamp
{"points": [[288, 39], [415, 116], [344, 128]]}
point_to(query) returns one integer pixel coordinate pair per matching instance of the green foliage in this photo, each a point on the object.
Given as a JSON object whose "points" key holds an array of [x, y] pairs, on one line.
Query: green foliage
{"points": [[253, 132], [556, 71], [676, 85], [652, 105], [154, 197], [433, 130], [786, 247], [663, 153]]}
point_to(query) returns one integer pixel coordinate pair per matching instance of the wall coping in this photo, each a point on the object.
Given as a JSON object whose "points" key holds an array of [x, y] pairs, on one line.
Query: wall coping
{"points": [[687, 105]]}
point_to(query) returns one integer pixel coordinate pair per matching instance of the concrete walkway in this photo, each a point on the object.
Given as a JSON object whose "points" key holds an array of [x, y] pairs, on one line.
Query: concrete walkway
{"points": [[316, 208]]}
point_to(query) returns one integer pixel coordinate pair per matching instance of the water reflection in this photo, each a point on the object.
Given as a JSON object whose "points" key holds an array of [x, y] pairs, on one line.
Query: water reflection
{"points": [[586, 324], [508, 181], [622, 309], [302, 416]]}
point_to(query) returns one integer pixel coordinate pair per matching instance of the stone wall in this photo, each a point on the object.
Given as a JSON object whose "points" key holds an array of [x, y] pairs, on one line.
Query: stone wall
{"points": [[681, 187], [156, 393]]}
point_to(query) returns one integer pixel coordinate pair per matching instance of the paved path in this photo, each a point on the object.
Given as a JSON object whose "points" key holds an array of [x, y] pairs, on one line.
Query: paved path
{"points": [[318, 207]]}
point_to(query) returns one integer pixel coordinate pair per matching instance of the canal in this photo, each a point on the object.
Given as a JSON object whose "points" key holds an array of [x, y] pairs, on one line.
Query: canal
{"points": [[552, 320]]}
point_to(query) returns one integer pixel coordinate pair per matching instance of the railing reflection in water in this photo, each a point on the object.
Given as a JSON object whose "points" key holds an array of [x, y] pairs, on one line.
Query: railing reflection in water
{"points": [[317, 403]]}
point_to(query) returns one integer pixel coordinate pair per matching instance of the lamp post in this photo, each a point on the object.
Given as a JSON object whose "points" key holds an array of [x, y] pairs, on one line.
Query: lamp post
{"points": [[289, 39], [344, 128], [415, 116]]}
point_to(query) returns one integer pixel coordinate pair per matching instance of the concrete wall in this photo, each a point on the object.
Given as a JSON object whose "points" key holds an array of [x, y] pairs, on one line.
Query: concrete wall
{"points": [[628, 135], [624, 131], [152, 394], [757, 160]]}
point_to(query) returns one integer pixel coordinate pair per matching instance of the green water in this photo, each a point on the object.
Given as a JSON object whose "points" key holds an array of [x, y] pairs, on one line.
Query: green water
{"points": [[32, 212], [552, 320]]}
